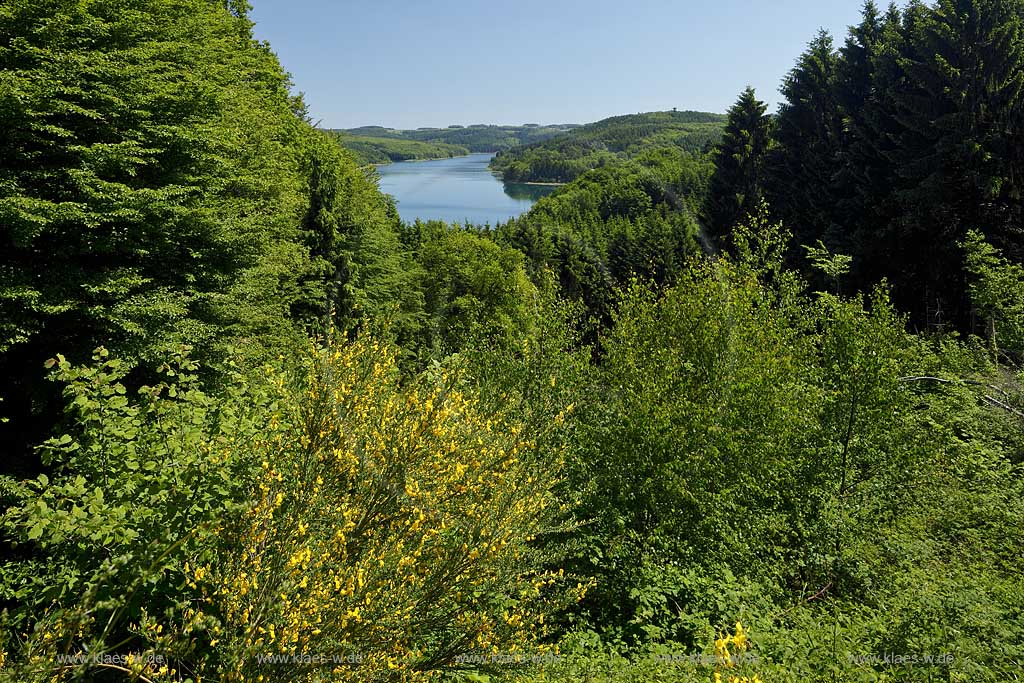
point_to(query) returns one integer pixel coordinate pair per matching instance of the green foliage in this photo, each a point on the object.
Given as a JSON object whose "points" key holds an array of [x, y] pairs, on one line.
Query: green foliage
{"points": [[137, 190], [368, 273], [997, 292], [662, 452], [544, 379], [964, 72], [577, 400], [833, 266], [138, 484], [565, 157], [892, 147], [473, 285], [336, 510], [156, 168], [585, 656], [626, 220], [807, 140], [757, 452]]}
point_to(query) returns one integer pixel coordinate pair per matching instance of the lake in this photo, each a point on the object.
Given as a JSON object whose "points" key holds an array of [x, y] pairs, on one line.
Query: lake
{"points": [[456, 190]]}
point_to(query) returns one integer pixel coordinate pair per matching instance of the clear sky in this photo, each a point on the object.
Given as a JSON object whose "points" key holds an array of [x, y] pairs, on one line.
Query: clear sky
{"points": [[412, 63]]}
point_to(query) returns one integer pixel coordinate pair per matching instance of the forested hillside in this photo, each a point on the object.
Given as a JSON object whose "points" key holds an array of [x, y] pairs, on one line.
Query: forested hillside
{"points": [[624, 220], [370, 150], [740, 402], [475, 138], [564, 157]]}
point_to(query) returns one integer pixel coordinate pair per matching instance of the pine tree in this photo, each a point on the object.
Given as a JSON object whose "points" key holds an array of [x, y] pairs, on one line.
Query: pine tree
{"points": [[854, 75], [737, 185], [807, 138], [954, 155], [867, 176]]}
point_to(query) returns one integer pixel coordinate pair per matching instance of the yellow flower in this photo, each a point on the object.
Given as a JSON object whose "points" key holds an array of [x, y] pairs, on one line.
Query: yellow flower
{"points": [[740, 639], [722, 650]]}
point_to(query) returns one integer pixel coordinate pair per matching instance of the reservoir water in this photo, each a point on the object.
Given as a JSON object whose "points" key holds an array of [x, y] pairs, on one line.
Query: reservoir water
{"points": [[456, 191]]}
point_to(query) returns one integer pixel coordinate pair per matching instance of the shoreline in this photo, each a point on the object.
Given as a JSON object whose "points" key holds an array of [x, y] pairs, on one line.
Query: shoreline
{"points": [[542, 184], [463, 156], [406, 161]]}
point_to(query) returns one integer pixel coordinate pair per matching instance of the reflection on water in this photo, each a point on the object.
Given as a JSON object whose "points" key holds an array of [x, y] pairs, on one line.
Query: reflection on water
{"points": [[456, 190], [530, 192]]}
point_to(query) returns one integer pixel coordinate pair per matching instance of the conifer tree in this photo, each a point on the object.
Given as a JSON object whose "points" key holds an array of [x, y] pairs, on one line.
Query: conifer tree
{"points": [[737, 185], [866, 178], [853, 67], [854, 75], [954, 156], [807, 144]]}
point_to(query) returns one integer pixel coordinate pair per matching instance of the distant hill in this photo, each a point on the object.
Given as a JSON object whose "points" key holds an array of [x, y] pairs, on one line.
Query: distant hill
{"points": [[566, 156], [384, 149], [475, 138]]}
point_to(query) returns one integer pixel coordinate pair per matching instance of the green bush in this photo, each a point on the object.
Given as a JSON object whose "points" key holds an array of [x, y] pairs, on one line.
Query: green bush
{"points": [[329, 510]]}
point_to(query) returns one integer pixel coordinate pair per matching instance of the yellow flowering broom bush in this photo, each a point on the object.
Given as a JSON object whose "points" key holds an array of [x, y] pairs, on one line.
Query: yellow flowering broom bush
{"points": [[389, 536], [329, 523]]}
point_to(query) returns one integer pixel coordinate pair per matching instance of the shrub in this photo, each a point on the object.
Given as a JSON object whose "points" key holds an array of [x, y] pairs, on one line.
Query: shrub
{"points": [[341, 514]]}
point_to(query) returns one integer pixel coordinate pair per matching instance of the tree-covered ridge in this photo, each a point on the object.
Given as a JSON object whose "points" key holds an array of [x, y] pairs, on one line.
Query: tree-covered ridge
{"points": [[371, 150], [564, 157], [623, 220], [476, 138]]}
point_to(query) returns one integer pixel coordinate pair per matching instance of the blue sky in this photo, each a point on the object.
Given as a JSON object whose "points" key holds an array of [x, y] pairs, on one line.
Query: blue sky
{"points": [[406, 64]]}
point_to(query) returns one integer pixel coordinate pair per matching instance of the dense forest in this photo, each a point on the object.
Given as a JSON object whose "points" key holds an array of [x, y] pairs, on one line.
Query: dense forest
{"points": [[741, 402], [562, 158], [475, 138], [371, 150], [890, 149]]}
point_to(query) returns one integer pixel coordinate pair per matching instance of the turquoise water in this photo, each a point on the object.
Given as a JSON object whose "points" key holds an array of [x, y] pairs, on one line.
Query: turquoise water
{"points": [[456, 190]]}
